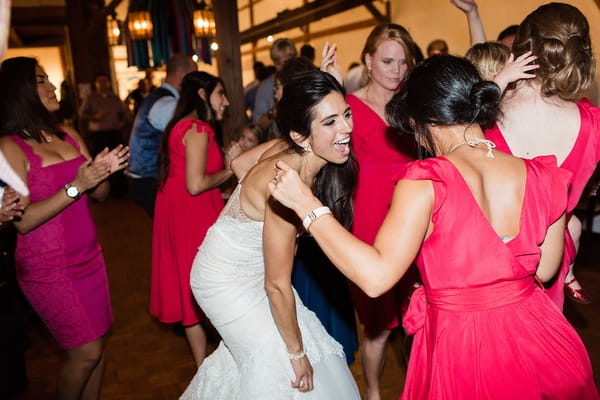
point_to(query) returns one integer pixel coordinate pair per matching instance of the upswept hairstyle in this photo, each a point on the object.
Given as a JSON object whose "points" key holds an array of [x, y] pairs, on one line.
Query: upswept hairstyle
{"points": [[443, 90], [394, 32], [559, 35], [189, 101], [293, 67], [489, 58], [335, 183], [21, 111]]}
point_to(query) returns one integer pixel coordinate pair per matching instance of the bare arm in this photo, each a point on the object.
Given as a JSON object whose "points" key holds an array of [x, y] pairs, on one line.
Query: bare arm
{"points": [[88, 176], [9, 207], [196, 153], [552, 250], [248, 159], [279, 244], [375, 269], [469, 7]]}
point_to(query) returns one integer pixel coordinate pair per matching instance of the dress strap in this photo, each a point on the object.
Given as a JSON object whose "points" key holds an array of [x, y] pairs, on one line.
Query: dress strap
{"points": [[33, 158]]}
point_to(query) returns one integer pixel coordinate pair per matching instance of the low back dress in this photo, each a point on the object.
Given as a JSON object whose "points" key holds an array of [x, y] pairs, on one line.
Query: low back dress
{"points": [[581, 162], [483, 328]]}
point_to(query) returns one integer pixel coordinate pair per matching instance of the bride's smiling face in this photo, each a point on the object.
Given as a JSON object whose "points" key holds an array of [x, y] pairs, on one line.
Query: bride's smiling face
{"points": [[331, 129]]}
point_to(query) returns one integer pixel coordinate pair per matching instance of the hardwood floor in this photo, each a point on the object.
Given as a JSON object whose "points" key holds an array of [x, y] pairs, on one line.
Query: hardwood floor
{"points": [[146, 360]]}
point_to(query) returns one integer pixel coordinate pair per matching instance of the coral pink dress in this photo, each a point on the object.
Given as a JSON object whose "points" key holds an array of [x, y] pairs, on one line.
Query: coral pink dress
{"points": [[381, 154], [482, 327], [180, 224], [60, 267], [581, 162]]}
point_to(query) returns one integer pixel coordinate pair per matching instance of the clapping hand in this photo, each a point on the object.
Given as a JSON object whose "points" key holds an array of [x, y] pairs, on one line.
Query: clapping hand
{"points": [[91, 173], [515, 69], [10, 207], [330, 63], [116, 158]]}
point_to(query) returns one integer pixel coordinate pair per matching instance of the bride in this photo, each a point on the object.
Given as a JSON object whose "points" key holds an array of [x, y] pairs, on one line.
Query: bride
{"points": [[273, 347]]}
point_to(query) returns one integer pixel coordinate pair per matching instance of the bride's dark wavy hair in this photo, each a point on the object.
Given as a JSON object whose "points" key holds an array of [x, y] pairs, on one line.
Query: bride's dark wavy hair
{"points": [[335, 183], [443, 90]]}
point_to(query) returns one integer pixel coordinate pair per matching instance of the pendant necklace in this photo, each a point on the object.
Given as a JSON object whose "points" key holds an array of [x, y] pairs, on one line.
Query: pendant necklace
{"points": [[474, 142]]}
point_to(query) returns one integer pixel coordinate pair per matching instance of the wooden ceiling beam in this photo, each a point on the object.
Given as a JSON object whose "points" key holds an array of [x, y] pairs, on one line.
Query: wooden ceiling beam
{"points": [[304, 15]]}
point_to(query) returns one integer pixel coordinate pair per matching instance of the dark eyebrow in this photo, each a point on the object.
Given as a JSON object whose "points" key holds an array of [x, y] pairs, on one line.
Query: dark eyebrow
{"points": [[41, 76], [335, 115]]}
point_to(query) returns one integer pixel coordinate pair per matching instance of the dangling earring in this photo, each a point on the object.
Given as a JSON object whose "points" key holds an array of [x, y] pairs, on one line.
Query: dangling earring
{"points": [[306, 149]]}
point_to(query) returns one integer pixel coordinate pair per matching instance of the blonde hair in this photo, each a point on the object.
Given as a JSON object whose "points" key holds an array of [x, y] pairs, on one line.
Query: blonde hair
{"points": [[489, 58]]}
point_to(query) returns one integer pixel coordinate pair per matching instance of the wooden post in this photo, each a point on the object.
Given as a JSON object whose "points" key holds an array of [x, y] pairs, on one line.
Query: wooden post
{"points": [[229, 63]]}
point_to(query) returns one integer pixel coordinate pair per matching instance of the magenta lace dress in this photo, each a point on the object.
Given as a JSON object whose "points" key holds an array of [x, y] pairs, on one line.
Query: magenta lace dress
{"points": [[60, 267]]}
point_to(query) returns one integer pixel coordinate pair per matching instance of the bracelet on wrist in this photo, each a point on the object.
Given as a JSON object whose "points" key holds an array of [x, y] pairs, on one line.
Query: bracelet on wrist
{"points": [[313, 215], [295, 357]]}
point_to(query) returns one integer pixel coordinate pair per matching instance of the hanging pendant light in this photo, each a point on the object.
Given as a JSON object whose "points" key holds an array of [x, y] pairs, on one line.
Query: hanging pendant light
{"points": [[113, 31], [204, 22], [140, 25]]}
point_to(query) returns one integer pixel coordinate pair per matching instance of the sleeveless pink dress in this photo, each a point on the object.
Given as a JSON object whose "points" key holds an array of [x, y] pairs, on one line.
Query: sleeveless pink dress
{"points": [[60, 267], [180, 224], [381, 154], [482, 327], [581, 162]]}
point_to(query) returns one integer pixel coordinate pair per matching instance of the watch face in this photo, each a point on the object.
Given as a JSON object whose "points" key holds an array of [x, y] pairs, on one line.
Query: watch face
{"points": [[72, 192]]}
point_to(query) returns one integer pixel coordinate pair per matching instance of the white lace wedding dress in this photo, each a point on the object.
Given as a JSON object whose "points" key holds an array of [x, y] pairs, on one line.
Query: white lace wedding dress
{"points": [[251, 362]]}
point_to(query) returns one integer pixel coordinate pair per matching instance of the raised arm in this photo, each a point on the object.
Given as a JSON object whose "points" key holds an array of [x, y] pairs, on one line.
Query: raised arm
{"points": [[469, 7], [329, 62], [196, 154], [513, 70], [375, 269], [279, 244]]}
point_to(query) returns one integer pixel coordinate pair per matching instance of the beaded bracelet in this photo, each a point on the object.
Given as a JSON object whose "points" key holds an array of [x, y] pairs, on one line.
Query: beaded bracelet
{"points": [[295, 357], [313, 215]]}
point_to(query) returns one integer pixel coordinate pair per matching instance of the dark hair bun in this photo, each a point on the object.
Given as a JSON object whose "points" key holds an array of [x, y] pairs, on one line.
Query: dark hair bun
{"points": [[485, 100]]}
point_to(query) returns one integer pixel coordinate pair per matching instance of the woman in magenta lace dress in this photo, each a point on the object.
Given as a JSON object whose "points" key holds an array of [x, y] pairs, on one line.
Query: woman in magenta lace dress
{"points": [[188, 202], [60, 267], [484, 227]]}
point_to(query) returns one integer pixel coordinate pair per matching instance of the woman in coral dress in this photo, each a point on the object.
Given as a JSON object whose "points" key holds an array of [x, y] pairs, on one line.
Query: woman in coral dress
{"points": [[484, 227], [188, 202], [547, 115]]}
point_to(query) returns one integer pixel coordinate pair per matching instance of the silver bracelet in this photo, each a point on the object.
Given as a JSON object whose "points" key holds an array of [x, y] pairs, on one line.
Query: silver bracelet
{"points": [[313, 215], [295, 357]]}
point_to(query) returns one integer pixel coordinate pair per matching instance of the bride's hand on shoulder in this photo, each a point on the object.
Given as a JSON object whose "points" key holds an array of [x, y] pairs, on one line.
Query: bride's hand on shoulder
{"points": [[304, 374], [288, 188]]}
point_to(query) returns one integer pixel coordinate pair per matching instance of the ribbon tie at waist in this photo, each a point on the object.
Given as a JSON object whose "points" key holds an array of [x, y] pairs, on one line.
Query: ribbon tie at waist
{"points": [[464, 299]]}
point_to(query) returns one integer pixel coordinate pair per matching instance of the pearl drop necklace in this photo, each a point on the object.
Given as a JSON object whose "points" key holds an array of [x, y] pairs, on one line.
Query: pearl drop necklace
{"points": [[474, 142]]}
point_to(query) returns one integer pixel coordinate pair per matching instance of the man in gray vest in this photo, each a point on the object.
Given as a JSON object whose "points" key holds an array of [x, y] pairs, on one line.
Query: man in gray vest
{"points": [[151, 120]]}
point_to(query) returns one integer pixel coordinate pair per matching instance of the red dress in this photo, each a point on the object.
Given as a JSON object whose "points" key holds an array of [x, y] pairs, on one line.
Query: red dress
{"points": [[482, 328], [381, 153], [180, 224], [581, 162]]}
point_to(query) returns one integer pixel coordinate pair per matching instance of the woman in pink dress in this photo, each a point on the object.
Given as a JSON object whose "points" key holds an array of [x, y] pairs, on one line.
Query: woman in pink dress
{"points": [[60, 267], [188, 202], [388, 56], [484, 227], [547, 115]]}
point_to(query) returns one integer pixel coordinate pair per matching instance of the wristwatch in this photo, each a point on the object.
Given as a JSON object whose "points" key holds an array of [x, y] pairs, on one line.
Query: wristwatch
{"points": [[72, 191]]}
